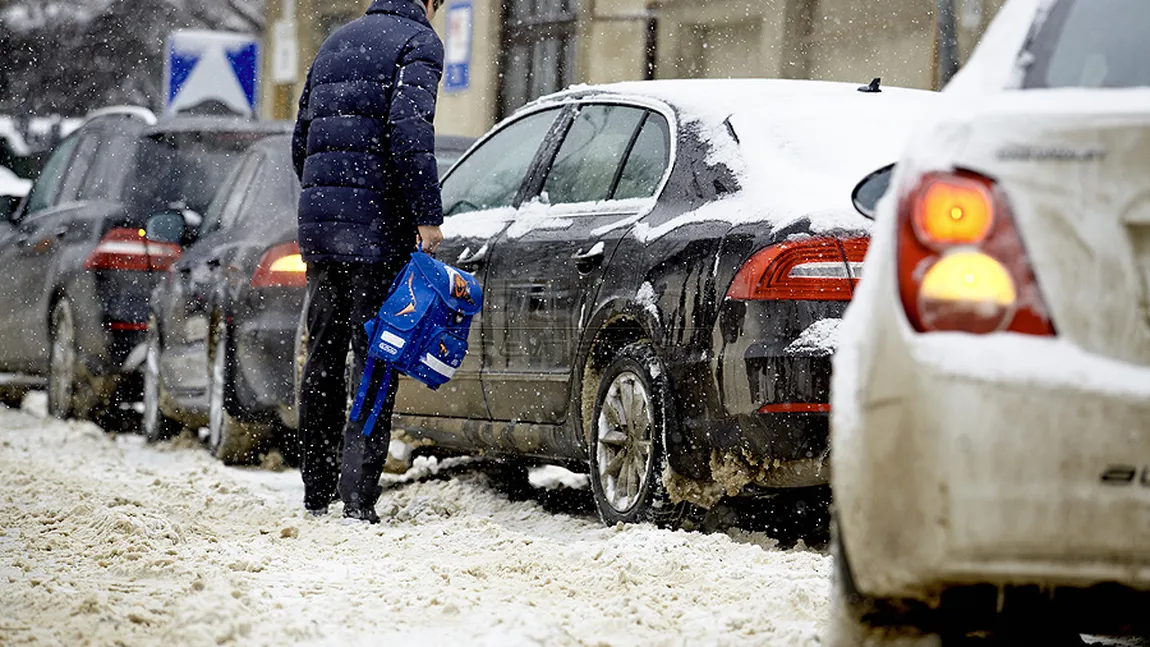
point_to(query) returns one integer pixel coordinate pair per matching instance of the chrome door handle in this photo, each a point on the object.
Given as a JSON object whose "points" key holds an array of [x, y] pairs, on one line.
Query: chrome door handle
{"points": [[467, 258], [596, 251]]}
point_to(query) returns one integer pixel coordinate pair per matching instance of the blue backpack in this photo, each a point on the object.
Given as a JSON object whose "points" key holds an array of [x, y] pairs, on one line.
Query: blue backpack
{"points": [[421, 329]]}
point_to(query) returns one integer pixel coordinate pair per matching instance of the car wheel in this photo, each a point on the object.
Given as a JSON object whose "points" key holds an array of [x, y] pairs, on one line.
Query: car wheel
{"points": [[13, 396], [633, 409], [62, 361], [154, 424], [231, 440]]}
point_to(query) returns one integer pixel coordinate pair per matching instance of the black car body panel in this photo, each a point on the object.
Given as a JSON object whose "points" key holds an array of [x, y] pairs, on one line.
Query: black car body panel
{"points": [[93, 184]]}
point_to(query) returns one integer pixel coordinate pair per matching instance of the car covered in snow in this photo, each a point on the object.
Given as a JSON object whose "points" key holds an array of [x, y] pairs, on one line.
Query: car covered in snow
{"points": [[75, 266], [991, 392], [664, 266], [223, 325]]}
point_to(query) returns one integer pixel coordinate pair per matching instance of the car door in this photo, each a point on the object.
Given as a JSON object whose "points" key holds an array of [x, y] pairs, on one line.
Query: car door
{"points": [[480, 197], [547, 264], [27, 250], [186, 315]]}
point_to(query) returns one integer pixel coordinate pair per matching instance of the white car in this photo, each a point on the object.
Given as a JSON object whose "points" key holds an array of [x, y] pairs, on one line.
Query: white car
{"points": [[991, 391]]}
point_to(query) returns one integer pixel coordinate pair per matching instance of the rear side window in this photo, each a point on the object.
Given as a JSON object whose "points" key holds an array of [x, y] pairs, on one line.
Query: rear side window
{"points": [[647, 161], [47, 186], [244, 186], [78, 169], [492, 174], [1091, 44], [183, 169], [585, 167], [106, 174]]}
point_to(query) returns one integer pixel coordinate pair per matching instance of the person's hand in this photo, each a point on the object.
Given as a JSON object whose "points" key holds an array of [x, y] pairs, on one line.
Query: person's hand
{"points": [[430, 237]]}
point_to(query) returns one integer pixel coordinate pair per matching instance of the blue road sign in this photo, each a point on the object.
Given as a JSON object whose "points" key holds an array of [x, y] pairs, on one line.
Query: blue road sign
{"points": [[209, 71]]}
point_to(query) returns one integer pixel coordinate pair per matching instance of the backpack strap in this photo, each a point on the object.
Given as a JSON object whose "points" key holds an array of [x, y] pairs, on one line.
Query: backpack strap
{"points": [[364, 385], [380, 399]]}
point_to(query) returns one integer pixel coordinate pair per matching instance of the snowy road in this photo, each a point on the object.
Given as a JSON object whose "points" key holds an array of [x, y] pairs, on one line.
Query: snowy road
{"points": [[107, 541]]}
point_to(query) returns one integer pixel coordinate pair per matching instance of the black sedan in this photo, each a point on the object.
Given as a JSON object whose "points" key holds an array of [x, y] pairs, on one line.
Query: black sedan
{"points": [[664, 266], [75, 267], [222, 344]]}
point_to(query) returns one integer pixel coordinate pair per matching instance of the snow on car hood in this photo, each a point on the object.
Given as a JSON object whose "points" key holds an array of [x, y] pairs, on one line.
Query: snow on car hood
{"points": [[12, 184], [797, 148]]}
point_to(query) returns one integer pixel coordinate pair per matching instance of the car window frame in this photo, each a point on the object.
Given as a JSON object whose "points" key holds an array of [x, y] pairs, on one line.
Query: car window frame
{"points": [[529, 176], [649, 105], [577, 109]]}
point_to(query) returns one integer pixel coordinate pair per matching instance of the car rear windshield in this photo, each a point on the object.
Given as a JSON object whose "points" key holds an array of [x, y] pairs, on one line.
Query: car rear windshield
{"points": [[183, 169], [1090, 44]]}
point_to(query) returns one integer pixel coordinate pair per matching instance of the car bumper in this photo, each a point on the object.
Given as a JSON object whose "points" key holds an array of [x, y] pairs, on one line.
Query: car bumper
{"points": [[1006, 460]]}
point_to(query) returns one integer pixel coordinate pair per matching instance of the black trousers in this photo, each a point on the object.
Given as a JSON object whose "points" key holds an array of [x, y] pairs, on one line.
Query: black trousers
{"points": [[342, 297]]}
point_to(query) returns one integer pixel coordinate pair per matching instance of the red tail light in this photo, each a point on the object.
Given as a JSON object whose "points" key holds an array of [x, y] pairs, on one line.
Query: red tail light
{"points": [[128, 249], [961, 263], [281, 266], [815, 269]]}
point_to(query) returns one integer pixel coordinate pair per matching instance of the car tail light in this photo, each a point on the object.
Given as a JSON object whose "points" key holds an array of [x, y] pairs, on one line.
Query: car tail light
{"points": [[814, 269], [281, 266], [961, 263], [129, 249]]}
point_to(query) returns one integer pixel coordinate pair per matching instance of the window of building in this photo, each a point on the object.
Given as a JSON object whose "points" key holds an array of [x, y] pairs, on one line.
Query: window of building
{"points": [[538, 50]]}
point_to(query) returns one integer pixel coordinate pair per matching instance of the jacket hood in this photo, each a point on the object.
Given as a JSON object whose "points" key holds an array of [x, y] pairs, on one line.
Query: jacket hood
{"points": [[409, 9]]}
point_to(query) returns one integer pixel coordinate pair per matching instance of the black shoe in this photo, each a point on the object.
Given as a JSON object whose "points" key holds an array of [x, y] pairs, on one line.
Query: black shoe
{"points": [[367, 515], [316, 512]]}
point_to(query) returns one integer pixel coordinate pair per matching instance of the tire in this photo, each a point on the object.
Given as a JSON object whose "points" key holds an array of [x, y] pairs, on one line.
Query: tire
{"points": [[13, 396], [231, 440], [633, 413], [154, 425], [62, 373], [848, 625]]}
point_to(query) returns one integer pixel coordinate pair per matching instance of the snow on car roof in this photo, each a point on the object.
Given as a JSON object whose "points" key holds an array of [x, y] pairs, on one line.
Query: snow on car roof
{"points": [[12, 184], [798, 148]]}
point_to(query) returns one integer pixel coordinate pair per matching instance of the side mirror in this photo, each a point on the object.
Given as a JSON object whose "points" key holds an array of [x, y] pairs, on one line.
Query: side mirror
{"points": [[167, 227], [872, 188]]}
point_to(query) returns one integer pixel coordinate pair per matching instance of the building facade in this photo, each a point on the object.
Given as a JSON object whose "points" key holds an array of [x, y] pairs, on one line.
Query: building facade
{"points": [[503, 53]]}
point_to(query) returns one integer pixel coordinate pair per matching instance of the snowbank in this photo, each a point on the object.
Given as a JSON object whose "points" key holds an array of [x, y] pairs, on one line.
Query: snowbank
{"points": [[106, 540]]}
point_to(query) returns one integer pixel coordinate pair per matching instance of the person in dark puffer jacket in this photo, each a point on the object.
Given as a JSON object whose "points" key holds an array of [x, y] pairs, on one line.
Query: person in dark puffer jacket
{"points": [[364, 151]]}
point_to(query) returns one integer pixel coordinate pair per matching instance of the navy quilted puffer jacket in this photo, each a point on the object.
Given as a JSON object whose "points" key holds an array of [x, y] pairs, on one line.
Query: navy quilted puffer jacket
{"points": [[364, 142]]}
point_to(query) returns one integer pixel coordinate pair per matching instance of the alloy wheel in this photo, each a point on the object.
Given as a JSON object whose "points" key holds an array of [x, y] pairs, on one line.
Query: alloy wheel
{"points": [[216, 387], [623, 448], [62, 368], [153, 423]]}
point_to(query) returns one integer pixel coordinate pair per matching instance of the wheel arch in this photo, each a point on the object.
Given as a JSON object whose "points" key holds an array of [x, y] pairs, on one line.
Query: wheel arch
{"points": [[614, 326]]}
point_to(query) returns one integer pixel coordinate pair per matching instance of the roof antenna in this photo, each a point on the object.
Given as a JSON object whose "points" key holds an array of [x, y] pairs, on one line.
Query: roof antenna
{"points": [[873, 87]]}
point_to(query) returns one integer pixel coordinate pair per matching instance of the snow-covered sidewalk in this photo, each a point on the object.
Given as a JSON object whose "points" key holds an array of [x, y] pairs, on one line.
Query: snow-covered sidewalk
{"points": [[107, 541]]}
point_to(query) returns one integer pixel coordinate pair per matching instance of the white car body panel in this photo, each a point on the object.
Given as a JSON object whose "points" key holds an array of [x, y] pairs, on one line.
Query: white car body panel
{"points": [[1003, 458]]}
